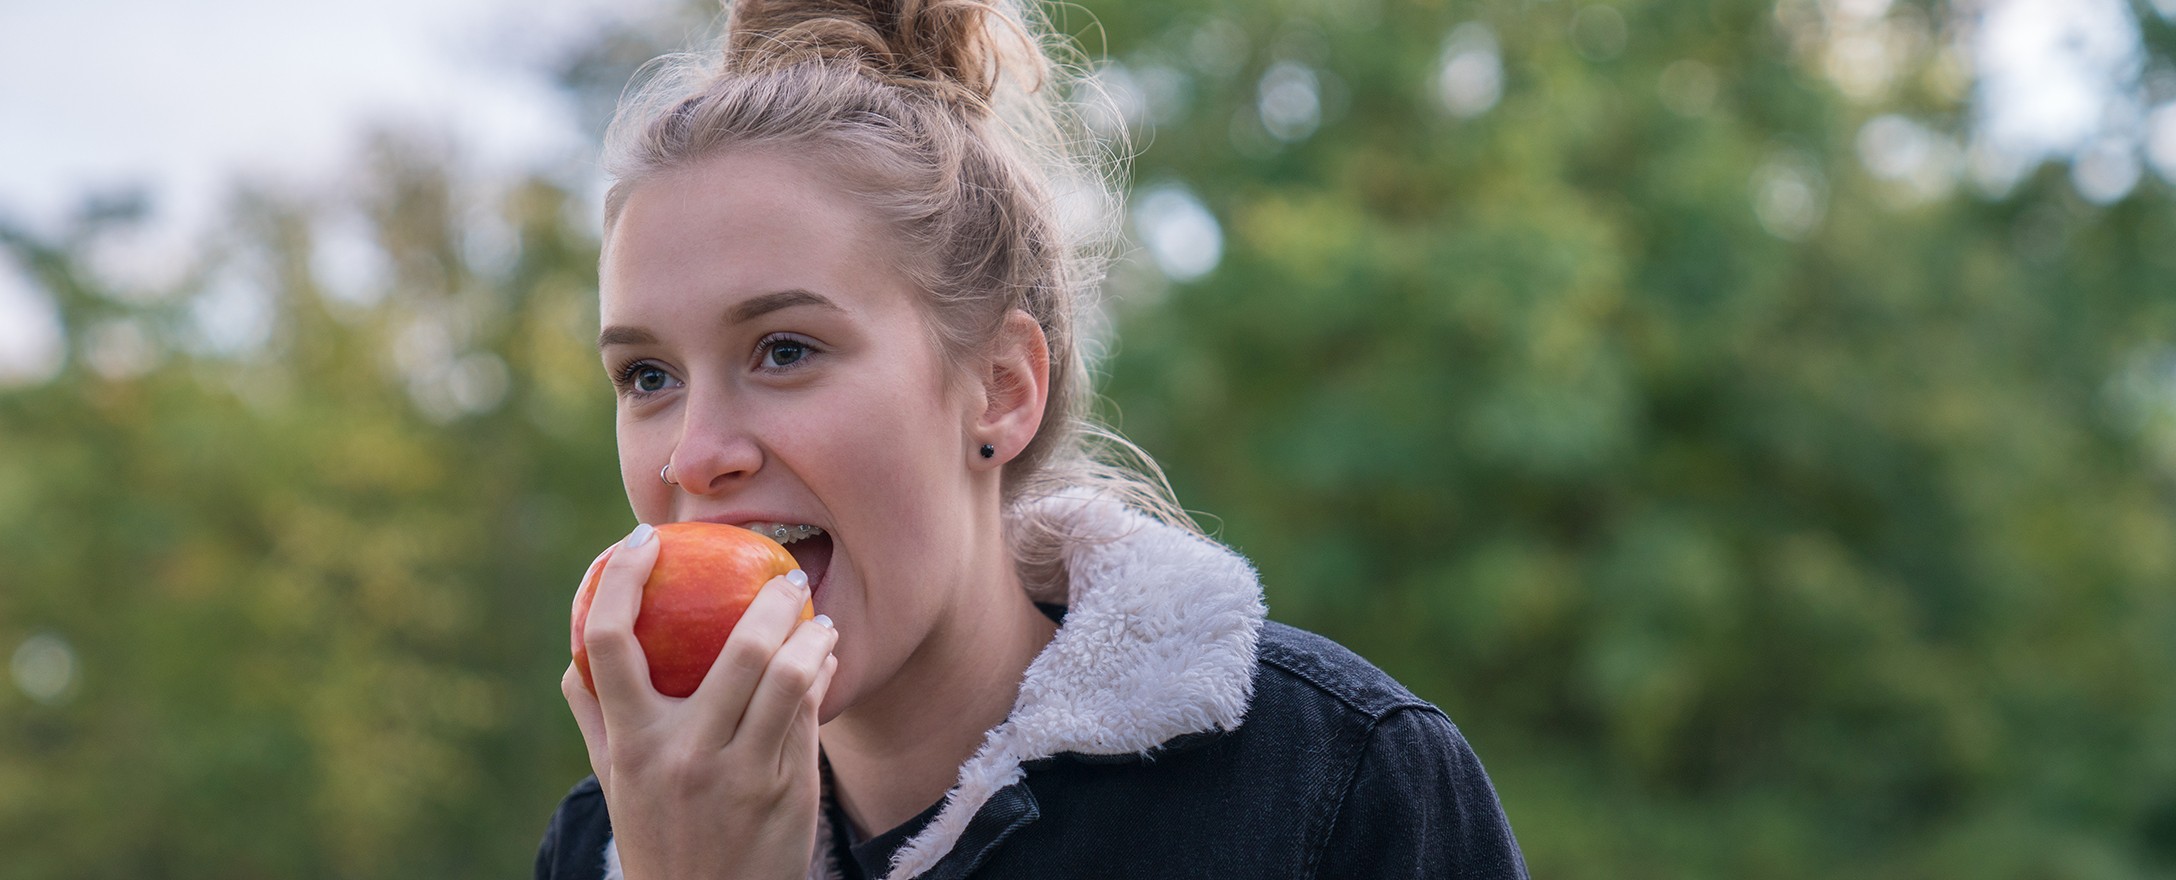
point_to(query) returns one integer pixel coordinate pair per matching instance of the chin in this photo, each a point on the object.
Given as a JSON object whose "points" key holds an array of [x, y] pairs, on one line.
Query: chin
{"points": [[835, 701]]}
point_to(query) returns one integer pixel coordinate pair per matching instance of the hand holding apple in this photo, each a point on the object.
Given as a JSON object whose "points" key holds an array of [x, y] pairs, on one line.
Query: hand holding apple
{"points": [[723, 782]]}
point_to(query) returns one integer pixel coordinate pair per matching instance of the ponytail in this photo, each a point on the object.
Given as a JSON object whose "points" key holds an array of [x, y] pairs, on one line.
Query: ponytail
{"points": [[944, 47]]}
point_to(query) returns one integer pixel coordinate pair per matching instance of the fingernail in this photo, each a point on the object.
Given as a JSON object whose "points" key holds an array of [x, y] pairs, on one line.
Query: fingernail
{"points": [[640, 536], [825, 620], [798, 578]]}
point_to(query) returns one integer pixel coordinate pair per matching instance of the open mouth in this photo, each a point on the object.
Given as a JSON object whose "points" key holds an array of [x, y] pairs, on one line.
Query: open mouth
{"points": [[810, 545], [813, 554]]}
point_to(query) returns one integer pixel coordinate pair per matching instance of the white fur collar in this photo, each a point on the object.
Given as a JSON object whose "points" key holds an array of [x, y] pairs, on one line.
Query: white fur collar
{"points": [[1158, 642]]}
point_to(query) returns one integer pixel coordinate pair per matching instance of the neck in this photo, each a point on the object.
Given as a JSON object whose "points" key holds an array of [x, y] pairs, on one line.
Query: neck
{"points": [[898, 751]]}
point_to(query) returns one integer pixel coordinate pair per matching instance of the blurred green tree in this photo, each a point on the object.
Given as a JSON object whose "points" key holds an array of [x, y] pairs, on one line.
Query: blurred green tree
{"points": [[1755, 514], [309, 544]]}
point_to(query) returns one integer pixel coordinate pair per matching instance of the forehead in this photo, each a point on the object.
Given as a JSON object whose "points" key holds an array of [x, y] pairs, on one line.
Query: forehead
{"points": [[738, 225]]}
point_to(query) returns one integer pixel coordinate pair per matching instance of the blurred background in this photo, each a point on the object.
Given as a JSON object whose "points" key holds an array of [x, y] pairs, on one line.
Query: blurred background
{"points": [[1754, 422]]}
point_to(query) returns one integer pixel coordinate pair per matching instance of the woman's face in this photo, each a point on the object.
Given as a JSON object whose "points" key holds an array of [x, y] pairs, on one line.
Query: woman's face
{"points": [[761, 342]]}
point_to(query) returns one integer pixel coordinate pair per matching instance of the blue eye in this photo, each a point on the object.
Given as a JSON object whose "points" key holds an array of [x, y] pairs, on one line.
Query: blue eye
{"points": [[641, 379], [782, 352], [785, 352]]}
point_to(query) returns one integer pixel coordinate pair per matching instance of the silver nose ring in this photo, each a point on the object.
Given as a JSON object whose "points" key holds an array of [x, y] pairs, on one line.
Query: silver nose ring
{"points": [[664, 475]]}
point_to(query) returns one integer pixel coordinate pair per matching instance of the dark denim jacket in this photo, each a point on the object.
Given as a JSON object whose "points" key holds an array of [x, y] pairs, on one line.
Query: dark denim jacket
{"points": [[1337, 771]]}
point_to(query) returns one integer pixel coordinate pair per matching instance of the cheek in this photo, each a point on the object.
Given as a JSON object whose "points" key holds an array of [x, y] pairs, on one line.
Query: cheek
{"points": [[891, 447], [647, 496], [884, 469]]}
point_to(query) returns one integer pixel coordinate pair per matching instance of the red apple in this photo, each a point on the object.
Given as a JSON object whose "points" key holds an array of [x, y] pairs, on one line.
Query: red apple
{"points": [[706, 574]]}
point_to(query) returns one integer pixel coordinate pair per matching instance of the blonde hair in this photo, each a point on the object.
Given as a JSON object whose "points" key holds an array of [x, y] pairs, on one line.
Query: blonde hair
{"points": [[951, 121]]}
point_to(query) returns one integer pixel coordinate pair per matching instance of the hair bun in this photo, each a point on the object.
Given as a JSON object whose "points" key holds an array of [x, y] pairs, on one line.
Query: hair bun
{"points": [[948, 48]]}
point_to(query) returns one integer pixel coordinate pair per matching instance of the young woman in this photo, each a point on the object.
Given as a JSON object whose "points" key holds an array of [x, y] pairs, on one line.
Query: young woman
{"points": [[839, 299]]}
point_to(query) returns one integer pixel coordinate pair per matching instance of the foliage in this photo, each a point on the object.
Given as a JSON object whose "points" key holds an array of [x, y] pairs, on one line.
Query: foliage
{"points": [[1754, 514], [1736, 555], [317, 588]]}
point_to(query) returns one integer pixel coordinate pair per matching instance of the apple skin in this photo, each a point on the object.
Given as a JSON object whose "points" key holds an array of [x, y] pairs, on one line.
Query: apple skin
{"points": [[706, 574]]}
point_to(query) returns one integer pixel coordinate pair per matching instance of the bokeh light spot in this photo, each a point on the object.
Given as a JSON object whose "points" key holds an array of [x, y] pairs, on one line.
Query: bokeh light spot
{"points": [[119, 349], [44, 668], [1688, 88], [1790, 196], [1290, 101], [2106, 170], [1470, 72], [2161, 139], [1599, 33], [1182, 236]]}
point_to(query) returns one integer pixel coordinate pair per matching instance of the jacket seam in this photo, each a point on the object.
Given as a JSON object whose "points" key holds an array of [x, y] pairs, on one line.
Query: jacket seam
{"points": [[1406, 701], [1351, 778]]}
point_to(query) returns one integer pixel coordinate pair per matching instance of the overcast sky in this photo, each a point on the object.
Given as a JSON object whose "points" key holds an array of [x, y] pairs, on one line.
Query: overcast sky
{"points": [[179, 96]]}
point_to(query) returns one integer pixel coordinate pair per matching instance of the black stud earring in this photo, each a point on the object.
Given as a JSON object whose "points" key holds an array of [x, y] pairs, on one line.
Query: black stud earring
{"points": [[989, 451]]}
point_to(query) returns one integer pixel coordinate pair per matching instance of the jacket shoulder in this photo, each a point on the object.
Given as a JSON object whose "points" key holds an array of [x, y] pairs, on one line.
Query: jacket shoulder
{"points": [[1332, 755], [1419, 804], [1333, 671], [573, 845], [1409, 798]]}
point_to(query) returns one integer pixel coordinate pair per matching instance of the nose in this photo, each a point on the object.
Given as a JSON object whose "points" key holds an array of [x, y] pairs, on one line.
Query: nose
{"points": [[716, 451]]}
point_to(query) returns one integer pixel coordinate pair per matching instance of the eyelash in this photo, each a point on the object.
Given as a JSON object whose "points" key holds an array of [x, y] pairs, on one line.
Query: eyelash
{"points": [[623, 378], [765, 346]]}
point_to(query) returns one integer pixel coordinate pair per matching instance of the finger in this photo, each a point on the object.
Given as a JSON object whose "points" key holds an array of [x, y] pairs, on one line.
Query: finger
{"points": [[763, 627], [582, 596], [591, 571], [616, 662], [788, 679], [799, 749], [590, 718]]}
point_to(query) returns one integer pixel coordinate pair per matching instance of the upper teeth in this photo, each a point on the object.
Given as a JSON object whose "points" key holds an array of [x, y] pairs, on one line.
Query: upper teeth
{"points": [[785, 533]]}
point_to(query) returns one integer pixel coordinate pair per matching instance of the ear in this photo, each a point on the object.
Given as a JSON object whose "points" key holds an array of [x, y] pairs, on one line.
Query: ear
{"points": [[1016, 387]]}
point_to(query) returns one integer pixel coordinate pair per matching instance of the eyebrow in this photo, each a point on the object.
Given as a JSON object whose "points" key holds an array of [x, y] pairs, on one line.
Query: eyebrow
{"points": [[758, 306], [624, 336], [748, 310]]}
